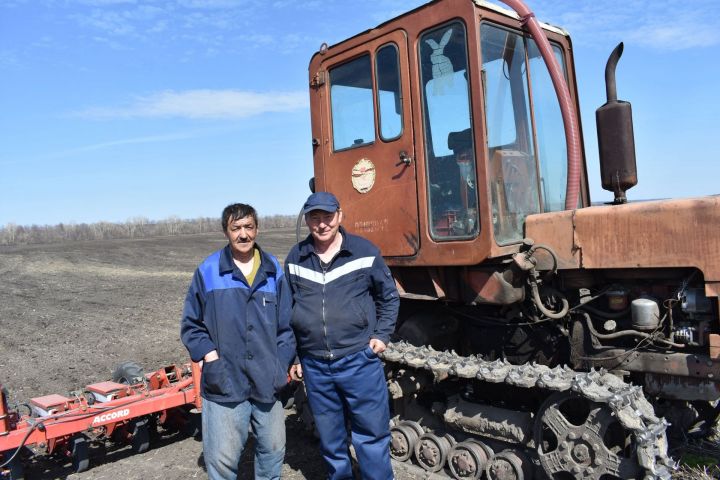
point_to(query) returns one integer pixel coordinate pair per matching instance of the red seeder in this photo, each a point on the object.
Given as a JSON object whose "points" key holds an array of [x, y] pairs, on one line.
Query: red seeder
{"points": [[107, 410]]}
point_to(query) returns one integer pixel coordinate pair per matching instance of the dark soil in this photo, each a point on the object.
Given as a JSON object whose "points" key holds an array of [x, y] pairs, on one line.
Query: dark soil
{"points": [[70, 313]]}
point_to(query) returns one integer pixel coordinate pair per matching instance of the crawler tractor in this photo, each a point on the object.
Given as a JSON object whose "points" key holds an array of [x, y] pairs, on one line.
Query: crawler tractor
{"points": [[539, 336]]}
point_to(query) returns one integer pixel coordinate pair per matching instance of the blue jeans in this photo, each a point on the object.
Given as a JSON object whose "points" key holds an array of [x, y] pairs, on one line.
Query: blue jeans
{"points": [[354, 383], [225, 431]]}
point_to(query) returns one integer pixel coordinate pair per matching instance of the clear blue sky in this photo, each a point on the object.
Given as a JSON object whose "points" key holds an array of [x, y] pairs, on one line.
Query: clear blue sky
{"points": [[113, 109]]}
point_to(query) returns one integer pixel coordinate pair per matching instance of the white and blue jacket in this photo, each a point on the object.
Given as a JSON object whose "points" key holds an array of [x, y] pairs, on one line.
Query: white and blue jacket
{"points": [[337, 310], [248, 325]]}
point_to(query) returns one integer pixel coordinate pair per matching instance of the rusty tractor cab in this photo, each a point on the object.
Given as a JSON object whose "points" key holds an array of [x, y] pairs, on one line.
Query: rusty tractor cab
{"points": [[440, 132], [442, 175]]}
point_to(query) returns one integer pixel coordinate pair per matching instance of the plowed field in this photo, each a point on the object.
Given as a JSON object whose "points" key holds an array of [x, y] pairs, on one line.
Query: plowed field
{"points": [[70, 313]]}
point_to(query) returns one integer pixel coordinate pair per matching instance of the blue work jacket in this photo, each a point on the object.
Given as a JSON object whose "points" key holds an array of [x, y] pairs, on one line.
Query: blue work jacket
{"points": [[248, 325], [338, 309]]}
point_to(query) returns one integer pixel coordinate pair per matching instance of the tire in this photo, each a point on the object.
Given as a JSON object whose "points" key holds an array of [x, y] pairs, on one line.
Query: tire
{"points": [[193, 425], [128, 373], [140, 441], [287, 395], [14, 470], [302, 406], [79, 453]]}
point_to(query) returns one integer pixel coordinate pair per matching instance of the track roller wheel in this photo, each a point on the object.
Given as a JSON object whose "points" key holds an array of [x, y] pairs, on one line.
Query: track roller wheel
{"points": [[128, 373], [431, 451], [193, 425], [140, 435], [508, 465], [79, 453], [468, 459], [403, 438]]}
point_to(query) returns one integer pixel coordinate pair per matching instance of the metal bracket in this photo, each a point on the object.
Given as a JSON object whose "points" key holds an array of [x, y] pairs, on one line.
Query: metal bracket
{"points": [[318, 79]]}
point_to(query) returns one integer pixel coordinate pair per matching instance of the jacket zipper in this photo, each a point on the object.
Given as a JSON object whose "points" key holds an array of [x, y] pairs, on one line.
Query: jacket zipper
{"points": [[327, 343], [324, 270]]}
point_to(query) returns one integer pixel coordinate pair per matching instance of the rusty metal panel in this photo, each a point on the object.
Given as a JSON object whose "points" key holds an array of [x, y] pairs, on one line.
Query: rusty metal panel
{"points": [[712, 289], [491, 287], [681, 388], [494, 422], [556, 231], [714, 346], [677, 364], [669, 233]]}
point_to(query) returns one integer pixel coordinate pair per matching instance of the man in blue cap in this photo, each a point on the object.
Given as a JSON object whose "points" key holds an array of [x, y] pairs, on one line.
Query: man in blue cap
{"points": [[345, 305]]}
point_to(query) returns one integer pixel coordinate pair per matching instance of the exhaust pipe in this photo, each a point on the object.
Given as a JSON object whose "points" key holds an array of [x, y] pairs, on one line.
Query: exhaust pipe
{"points": [[616, 140]]}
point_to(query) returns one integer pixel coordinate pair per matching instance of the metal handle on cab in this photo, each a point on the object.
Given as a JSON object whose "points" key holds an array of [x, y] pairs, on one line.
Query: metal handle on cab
{"points": [[404, 159]]}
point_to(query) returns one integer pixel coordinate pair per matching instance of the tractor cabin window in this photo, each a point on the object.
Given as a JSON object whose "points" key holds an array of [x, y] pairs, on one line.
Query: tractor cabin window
{"points": [[527, 161], [351, 98], [550, 131], [449, 152], [389, 97]]}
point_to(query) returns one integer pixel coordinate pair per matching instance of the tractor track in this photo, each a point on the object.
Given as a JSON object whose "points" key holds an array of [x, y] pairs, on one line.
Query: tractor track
{"points": [[626, 402]]}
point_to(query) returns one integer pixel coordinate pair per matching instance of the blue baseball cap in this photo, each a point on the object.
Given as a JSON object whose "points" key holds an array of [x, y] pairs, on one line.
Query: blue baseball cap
{"points": [[324, 201]]}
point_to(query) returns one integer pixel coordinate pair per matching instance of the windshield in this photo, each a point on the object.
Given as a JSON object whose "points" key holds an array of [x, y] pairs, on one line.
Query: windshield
{"points": [[527, 156]]}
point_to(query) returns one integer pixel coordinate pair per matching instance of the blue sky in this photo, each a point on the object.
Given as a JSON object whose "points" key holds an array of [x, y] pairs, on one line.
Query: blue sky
{"points": [[114, 109]]}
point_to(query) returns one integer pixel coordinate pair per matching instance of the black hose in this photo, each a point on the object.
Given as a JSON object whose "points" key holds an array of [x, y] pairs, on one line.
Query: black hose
{"points": [[534, 284], [592, 299], [545, 311], [549, 250], [22, 444], [603, 314], [298, 226], [494, 321]]}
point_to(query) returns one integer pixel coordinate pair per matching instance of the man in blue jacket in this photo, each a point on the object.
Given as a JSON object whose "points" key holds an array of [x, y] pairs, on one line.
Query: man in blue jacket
{"points": [[236, 321], [344, 310]]}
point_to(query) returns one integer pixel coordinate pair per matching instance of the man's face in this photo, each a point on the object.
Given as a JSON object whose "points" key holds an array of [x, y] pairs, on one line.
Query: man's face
{"points": [[464, 156], [241, 234], [323, 225]]}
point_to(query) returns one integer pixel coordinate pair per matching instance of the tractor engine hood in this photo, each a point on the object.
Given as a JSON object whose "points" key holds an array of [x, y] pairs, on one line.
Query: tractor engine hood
{"points": [[665, 233]]}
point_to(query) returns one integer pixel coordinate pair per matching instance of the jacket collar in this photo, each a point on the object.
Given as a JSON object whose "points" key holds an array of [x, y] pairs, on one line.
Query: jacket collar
{"points": [[307, 246], [227, 264]]}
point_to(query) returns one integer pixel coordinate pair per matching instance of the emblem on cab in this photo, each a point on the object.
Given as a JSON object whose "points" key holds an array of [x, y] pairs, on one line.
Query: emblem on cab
{"points": [[363, 175]]}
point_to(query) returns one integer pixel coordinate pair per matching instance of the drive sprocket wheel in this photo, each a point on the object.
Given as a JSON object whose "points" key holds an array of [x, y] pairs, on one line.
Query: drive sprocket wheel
{"points": [[580, 439]]}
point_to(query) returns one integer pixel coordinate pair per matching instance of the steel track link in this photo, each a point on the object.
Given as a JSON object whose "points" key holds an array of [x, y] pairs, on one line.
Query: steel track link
{"points": [[627, 402]]}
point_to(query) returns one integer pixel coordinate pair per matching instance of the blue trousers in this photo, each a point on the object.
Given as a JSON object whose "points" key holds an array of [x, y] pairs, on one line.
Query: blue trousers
{"points": [[353, 385], [225, 430]]}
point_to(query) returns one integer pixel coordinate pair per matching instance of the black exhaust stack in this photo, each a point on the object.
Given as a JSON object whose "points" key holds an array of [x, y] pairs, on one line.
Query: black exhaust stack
{"points": [[616, 140]]}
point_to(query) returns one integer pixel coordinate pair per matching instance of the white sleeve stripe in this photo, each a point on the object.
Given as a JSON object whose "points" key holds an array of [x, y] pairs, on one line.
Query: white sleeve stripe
{"points": [[317, 277]]}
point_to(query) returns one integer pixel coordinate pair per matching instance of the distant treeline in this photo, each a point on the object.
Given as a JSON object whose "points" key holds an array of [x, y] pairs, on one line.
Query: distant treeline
{"points": [[139, 227]]}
